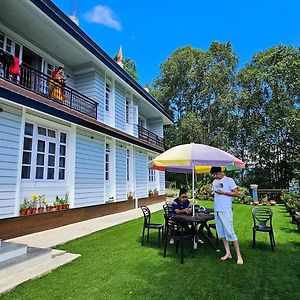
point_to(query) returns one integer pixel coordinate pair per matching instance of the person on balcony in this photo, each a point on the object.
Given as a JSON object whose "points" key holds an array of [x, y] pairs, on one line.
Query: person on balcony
{"points": [[57, 84]]}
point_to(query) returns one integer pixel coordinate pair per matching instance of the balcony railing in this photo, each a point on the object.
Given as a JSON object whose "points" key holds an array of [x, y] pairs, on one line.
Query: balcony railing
{"points": [[44, 85], [149, 136]]}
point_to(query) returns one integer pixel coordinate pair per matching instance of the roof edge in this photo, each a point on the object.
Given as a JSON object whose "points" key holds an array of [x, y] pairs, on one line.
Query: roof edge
{"points": [[59, 17]]}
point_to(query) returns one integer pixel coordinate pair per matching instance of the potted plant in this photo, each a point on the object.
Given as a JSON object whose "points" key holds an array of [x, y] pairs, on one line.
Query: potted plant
{"points": [[23, 208], [66, 201], [48, 207], [155, 192], [33, 204], [42, 202], [150, 193], [130, 196]]}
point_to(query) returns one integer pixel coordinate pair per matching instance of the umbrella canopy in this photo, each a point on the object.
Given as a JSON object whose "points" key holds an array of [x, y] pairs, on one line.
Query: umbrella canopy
{"points": [[184, 158]]}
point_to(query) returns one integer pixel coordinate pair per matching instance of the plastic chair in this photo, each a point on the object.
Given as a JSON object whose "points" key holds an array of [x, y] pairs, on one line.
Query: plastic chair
{"points": [[262, 218], [179, 233], [148, 225]]}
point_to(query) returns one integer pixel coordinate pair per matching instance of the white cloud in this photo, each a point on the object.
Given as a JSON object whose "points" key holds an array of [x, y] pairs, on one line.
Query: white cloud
{"points": [[103, 15]]}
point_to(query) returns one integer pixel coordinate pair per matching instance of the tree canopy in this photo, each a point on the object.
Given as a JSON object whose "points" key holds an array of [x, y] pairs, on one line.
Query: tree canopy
{"points": [[252, 112]]}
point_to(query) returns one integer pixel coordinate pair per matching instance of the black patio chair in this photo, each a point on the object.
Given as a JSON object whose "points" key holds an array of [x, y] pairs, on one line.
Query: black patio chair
{"points": [[179, 233], [168, 212], [148, 225], [262, 218]]}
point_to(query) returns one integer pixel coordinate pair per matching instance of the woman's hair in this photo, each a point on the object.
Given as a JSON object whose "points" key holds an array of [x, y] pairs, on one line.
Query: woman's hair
{"points": [[182, 191]]}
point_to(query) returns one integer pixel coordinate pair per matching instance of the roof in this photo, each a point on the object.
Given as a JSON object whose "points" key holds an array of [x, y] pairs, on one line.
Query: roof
{"points": [[53, 12]]}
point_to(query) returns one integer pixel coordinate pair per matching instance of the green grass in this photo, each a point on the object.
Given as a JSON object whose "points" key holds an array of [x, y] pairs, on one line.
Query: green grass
{"points": [[113, 265]]}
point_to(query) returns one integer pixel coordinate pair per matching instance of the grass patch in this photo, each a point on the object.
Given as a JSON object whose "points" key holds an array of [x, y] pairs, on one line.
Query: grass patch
{"points": [[113, 265]]}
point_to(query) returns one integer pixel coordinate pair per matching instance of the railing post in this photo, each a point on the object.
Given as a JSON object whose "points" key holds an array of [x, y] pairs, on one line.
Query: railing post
{"points": [[71, 99]]}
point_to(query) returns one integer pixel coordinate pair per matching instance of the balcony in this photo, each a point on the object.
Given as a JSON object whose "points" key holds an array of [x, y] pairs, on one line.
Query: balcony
{"points": [[41, 84], [150, 137]]}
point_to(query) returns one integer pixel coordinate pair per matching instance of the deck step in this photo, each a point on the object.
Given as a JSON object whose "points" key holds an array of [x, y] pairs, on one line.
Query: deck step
{"points": [[34, 256], [11, 250], [59, 258]]}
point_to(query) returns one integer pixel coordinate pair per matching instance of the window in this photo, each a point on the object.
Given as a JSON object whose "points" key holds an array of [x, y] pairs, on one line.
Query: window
{"points": [[1, 40], [8, 45], [127, 111], [128, 164], [44, 153], [107, 94], [107, 153], [151, 172]]}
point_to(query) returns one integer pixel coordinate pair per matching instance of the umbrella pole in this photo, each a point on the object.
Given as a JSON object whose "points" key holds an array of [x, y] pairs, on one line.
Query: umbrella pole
{"points": [[193, 187]]}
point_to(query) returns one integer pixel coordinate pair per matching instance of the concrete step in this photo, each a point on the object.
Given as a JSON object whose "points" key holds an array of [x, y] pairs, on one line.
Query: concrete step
{"points": [[11, 250], [33, 257], [59, 258]]}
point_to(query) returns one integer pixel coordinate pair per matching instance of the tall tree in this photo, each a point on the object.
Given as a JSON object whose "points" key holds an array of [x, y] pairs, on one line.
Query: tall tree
{"points": [[269, 115]]}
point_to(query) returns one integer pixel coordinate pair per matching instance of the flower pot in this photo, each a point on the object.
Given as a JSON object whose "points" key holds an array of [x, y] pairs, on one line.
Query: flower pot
{"points": [[22, 212], [41, 210], [48, 208], [33, 211], [28, 211], [67, 206]]}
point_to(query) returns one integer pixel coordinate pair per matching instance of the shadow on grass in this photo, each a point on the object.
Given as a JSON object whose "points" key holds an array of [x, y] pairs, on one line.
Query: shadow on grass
{"points": [[290, 230]]}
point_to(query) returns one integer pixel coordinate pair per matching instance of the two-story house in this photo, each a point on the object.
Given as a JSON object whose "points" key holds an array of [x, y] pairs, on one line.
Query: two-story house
{"points": [[91, 137]]}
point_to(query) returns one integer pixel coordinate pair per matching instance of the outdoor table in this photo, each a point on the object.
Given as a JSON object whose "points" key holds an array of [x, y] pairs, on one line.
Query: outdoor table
{"points": [[201, 219]]}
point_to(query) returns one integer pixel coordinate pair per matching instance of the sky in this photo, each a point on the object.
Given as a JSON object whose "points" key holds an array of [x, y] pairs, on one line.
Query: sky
{"points": [[150, 31]]}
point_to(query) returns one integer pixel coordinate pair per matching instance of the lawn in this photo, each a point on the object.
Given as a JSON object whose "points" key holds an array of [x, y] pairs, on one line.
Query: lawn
{"points": [[113, 265]]}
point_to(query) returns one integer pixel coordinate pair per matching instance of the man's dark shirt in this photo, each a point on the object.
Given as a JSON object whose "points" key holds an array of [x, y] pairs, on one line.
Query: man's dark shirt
{"points": [[177, 205]]}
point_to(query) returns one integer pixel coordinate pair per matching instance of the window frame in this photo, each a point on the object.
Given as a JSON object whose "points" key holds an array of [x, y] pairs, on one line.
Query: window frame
{"points": [[151, 172], [47, 139]]}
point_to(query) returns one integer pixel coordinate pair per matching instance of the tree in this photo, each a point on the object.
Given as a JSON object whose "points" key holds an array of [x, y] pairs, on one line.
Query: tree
{"points": [[129, 66], [200, 82], [268, 105]]}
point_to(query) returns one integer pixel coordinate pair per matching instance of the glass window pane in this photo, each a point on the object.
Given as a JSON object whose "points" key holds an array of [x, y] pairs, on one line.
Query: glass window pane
{"points": [[17, 50], [28, 129], [41, 146], [25, 172], [1, 40], [39, 173], [42, 130], [27, 143], [63, 138], [51, 160], [61, 174], [52, 148], [26, 158], [40, 159], [50, 173], [51, 133], [62, 162], [62, 150]]}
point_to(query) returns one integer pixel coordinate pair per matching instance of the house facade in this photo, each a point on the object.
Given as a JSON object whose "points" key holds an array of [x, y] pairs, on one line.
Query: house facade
{"points": [[91, 137]]}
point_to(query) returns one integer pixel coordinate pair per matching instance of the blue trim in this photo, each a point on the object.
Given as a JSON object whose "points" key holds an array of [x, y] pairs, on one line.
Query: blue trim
{"points": [[53, 12], [28, 102]]}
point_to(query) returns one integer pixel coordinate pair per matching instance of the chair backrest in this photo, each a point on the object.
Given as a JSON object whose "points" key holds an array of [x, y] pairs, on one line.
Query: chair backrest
{"points": [[199, 209], [174, 227], [168, 209], [147, 214], [262, 215]]}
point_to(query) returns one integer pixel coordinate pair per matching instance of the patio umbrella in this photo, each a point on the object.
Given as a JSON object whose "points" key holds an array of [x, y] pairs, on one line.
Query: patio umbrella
{"points": [[188, 157]]}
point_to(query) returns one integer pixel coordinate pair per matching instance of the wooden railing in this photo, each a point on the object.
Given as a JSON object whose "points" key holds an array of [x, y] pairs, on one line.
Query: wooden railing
{"points": [[44, 85], [149, 136]]}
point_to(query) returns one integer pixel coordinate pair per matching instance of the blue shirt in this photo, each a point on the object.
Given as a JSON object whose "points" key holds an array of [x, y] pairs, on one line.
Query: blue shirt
{"points": [[177, 205]]}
